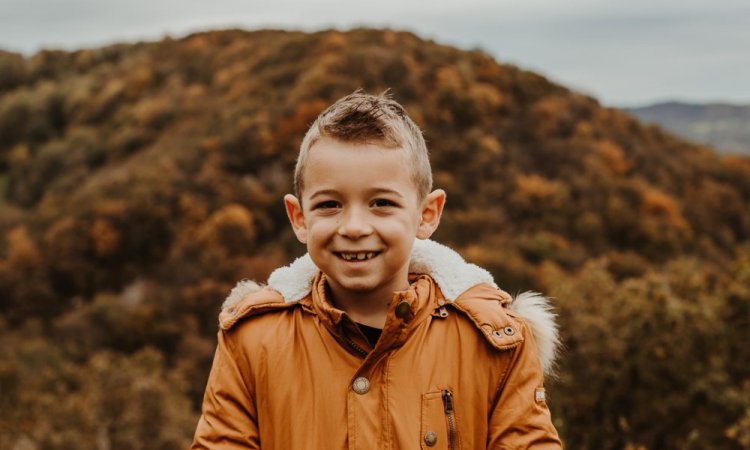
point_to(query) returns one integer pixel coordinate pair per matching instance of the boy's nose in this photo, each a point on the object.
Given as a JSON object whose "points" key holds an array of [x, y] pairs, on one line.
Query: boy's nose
{"points": [[354, 225]]}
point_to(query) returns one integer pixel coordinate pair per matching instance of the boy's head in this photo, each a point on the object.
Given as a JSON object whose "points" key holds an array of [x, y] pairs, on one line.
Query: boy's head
{"points": [[361, 118], [362, 186]]}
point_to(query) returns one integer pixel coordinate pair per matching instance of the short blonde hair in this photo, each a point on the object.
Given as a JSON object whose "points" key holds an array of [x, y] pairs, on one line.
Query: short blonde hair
{"points": [[362, 118]]}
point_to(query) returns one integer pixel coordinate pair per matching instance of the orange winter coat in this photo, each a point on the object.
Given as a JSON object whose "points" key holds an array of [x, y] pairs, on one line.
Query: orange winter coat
{"points": [[456, 366]]}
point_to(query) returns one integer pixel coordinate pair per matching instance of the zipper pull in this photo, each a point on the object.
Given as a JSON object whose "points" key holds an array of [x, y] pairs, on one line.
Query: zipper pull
{"points": [[448, 401]]}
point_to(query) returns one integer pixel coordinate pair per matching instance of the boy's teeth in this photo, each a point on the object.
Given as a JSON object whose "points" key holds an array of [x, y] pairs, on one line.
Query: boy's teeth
{"points": [[357, 256]]}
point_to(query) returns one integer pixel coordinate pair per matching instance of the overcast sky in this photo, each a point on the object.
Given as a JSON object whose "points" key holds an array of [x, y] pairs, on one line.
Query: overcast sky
{"points": [[623, 53]]}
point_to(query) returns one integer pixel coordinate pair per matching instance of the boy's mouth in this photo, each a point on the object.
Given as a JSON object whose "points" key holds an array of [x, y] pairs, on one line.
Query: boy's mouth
{"points": [[356, 256]]}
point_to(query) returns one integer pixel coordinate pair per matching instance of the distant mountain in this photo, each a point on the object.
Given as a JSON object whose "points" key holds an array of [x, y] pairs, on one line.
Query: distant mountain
{"points": [[724, 126], [139, 182]]}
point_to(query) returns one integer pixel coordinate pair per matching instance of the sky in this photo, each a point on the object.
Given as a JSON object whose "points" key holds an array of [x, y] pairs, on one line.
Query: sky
{"points": [[623, 53]]}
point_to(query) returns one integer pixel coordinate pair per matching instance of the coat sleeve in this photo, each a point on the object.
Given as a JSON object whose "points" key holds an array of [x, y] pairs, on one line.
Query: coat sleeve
{"points": [[229, 418], [520, 419]]}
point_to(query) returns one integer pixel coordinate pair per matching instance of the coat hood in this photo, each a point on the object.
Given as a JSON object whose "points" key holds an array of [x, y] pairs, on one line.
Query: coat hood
{"points": [[451, 273]]}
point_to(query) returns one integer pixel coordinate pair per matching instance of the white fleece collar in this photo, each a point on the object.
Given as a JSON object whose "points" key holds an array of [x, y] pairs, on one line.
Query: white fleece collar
{"points": [[450, 272], [445, 266]]}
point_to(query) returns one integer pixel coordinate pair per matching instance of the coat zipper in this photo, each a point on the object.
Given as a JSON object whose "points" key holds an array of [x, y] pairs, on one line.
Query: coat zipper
{"points": [[362, 352], [448, 403]]}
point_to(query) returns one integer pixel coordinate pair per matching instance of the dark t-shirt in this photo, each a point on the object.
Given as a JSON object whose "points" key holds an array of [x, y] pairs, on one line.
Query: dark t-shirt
{"points": [[372, 334]]}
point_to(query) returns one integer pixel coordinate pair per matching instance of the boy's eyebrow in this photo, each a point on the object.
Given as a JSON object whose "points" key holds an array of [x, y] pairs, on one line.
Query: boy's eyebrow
{"points": [[385, 191], [377, 190], [323, 192]]}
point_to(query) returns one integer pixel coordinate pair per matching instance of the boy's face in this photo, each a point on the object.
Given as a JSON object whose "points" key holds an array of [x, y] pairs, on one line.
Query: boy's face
{"points": [[359, 216]]}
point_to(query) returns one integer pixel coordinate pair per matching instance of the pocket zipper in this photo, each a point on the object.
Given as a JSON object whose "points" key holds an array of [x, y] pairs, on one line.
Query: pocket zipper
{"points": [[448, 403]]}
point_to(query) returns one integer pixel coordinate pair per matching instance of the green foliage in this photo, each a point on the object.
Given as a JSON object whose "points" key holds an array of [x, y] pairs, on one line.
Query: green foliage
{"points": [[108, 401], [140, 182], [642, 352], [12, 70]]}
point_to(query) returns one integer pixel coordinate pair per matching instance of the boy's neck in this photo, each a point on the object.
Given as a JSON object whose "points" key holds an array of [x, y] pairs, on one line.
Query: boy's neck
{"points": [[368, 308]]}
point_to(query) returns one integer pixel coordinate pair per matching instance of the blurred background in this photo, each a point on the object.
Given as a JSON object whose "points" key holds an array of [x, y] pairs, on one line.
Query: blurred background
{"points": [[596, 151]]}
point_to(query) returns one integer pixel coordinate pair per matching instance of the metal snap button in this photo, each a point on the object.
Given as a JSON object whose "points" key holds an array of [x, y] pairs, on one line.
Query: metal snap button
{"points": [[403, 309], [509, 331], [497, 334], [430, 438], [361, 385]]}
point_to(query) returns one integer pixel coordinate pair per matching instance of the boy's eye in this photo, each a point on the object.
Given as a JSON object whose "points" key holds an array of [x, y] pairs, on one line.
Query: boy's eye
{"points": [[381, 202], [326, 205]]}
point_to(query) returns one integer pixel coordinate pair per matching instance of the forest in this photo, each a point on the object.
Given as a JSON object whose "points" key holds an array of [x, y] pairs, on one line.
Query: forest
{"points": [[140, 181]]}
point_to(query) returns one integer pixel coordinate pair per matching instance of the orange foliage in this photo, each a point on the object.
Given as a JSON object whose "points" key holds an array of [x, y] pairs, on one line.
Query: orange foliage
{"points": [[613, 157], [304, 114], [111, 208], [739, 163], [550, 113], [105, 237], [141, 80], [22, 252], [111, 93], [658, 204], [537, 187], [192, 209], [490, 144], [152, 112], [486, 97], [225, 76], [231, 227], [584, 129], [334, 41], [194, 98], [448, 78]]}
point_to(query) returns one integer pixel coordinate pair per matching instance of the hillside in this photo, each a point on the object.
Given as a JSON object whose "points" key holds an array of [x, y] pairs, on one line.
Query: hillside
{"points": [[139, 182], [723, 126]]}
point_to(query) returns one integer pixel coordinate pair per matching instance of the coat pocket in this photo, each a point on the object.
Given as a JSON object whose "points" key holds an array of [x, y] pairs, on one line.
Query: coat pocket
{"points": [[439, 431]]}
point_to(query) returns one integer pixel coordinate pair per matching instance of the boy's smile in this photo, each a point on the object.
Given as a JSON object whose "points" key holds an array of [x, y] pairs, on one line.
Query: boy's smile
{"points": [[359, 256], [359, 216]]}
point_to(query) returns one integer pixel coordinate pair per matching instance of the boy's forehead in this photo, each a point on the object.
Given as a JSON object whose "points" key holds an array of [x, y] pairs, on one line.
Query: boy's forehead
{"points": [[332, 143], [367, 166], [328, 152]]}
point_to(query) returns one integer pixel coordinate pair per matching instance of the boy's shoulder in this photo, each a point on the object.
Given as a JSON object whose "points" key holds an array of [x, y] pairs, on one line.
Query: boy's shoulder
{"points": [[486, 309], [248, 299], [505, 321], [286, 287]]}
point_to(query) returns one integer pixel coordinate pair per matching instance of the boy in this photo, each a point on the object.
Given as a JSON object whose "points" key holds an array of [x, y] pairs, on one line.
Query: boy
{"points": [[378, 337]]}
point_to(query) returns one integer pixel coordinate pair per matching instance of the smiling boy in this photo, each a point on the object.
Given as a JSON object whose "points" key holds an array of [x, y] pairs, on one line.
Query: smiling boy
{"points": [[360, 217], [378, 337]]}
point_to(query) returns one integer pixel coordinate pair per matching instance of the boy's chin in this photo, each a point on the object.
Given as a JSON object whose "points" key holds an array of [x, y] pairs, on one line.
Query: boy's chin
{"points": [[354, 287]]}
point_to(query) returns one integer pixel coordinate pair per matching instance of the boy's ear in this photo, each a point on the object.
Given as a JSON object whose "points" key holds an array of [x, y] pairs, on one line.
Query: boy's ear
{"points": [[296, 218], [432, 209]]}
